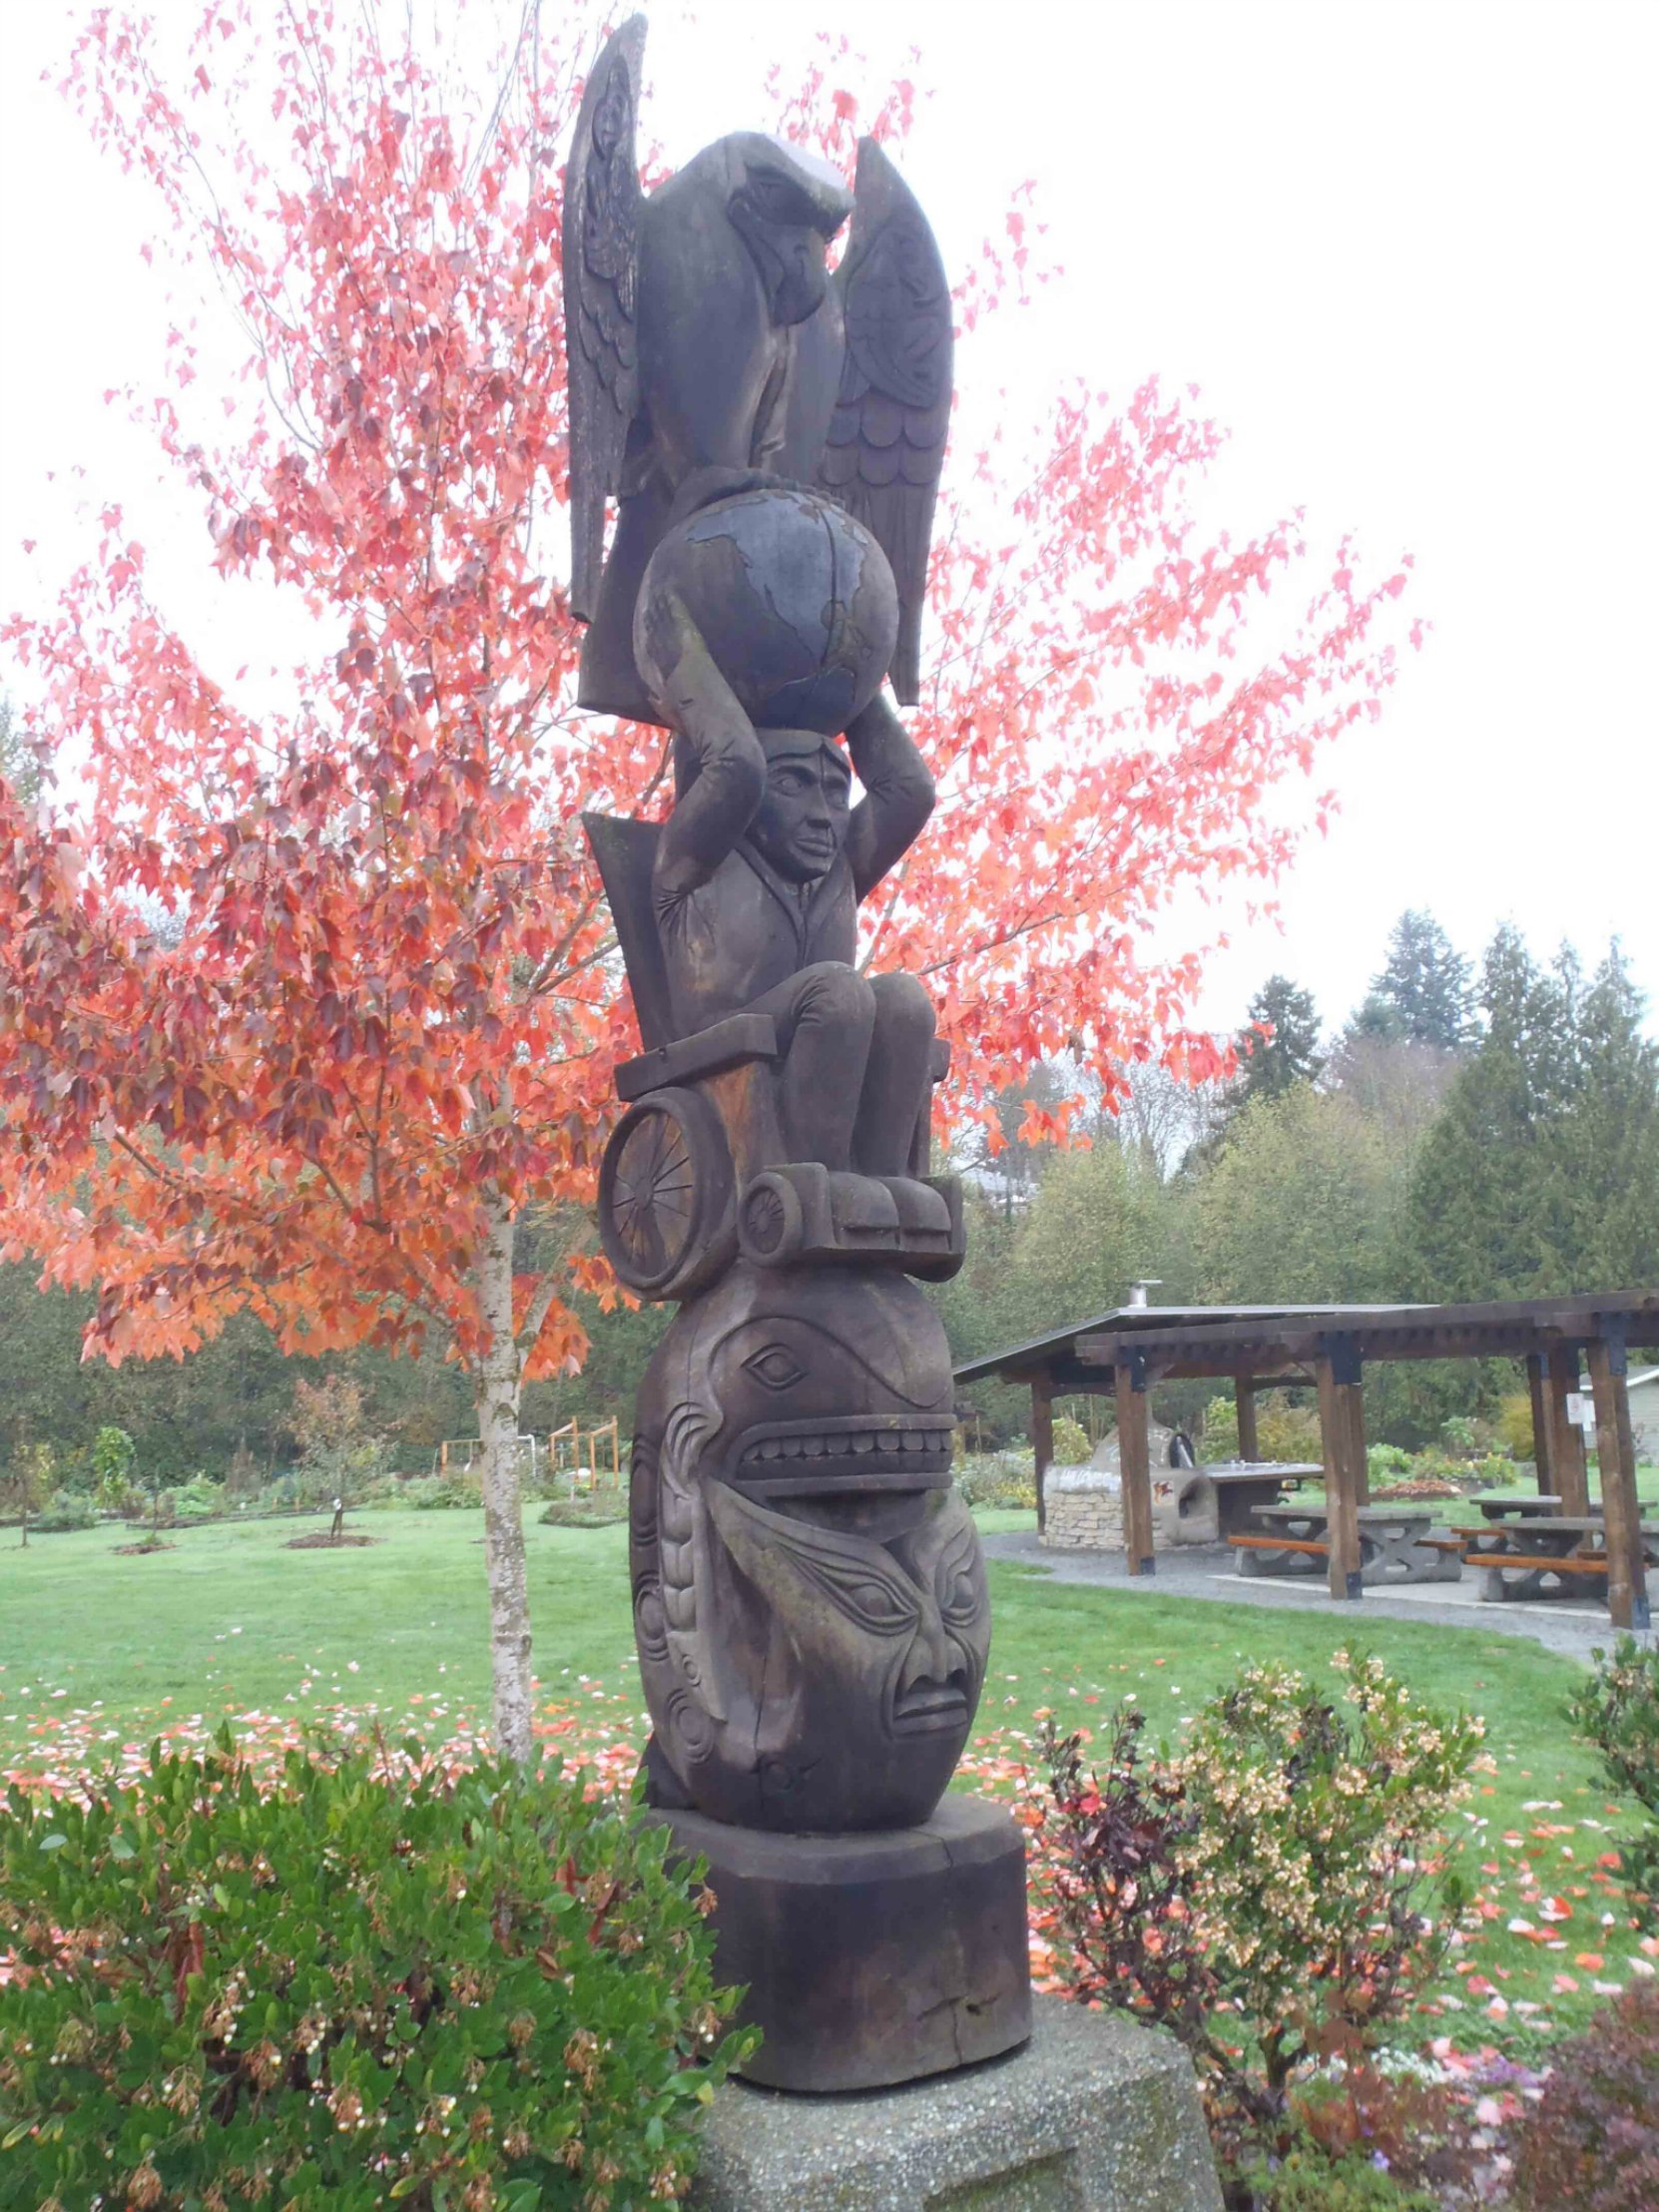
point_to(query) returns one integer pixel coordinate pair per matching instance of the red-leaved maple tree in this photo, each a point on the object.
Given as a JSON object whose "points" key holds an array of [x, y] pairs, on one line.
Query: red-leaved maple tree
{"points": [[305, 1012]]}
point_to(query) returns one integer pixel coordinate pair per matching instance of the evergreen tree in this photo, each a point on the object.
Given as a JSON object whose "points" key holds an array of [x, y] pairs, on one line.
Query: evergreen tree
{"points": [[1543, 1173], [1270, 1066], [1601, 1207], [1421, 994]]}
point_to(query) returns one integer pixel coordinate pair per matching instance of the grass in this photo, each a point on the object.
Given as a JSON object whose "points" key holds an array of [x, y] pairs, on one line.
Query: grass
{"points": [[228, 1617], [230, 1623]]}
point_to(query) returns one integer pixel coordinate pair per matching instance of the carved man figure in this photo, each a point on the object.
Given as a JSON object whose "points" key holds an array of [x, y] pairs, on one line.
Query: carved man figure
{"points": [[759, 875]]}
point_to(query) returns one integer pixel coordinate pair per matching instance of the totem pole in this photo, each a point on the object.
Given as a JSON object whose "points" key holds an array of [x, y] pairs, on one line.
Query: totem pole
{"points": [[810, 1601]]}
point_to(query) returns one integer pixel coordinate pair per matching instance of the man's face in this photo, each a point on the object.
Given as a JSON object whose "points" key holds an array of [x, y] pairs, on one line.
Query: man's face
{"points": [[802, 822]]}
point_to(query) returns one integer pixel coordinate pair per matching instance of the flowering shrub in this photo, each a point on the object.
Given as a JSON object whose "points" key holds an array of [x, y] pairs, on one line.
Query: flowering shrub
{"points": [[997, 1478], [1283, 1432], [1310, 1863], [1270, 1895], [66, 1509], [440, 1493], [1306, 2180], [1111, 1839], [199, 1500], [1072, 1448], [1619, 1710], [1359, 2137], [113, 1452], [1592, 2142], [357, 1981]]}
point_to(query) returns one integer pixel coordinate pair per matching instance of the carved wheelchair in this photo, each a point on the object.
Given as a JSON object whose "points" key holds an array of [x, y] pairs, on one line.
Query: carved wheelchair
{"points": [[697, 1172]]}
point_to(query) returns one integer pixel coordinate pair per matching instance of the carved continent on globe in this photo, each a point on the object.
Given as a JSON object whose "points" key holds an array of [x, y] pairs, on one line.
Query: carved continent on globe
{"points": [[792, 596]]}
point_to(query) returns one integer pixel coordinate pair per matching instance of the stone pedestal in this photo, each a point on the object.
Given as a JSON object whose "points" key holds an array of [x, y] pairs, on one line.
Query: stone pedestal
{"points": [[877, 1959], [1094, 2114]]}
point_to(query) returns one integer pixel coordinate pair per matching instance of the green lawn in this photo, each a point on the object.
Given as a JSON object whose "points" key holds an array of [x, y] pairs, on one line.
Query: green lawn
{"points": [[230, 1619], [97, 1650]]}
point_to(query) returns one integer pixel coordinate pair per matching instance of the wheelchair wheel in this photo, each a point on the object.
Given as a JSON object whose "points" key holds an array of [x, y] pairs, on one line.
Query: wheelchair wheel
{"points": [[665, 1194], [771, 1221]]}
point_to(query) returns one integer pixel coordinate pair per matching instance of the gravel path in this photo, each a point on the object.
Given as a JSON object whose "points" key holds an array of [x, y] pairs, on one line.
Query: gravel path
{"points": [[1207, 1571]]}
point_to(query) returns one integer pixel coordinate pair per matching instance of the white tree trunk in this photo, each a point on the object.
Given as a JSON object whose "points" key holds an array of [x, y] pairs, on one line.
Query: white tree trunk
{"points": [[497, 1402]]}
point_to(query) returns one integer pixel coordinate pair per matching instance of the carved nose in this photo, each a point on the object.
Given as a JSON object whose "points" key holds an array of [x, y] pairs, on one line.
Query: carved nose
{"points": [[927, 1663]]}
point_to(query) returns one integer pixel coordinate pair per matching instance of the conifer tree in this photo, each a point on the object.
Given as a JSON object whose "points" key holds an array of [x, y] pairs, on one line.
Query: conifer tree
{"points": [[1543, 1173], [1602, 1204], [1421, 994], [1271, 1065]]}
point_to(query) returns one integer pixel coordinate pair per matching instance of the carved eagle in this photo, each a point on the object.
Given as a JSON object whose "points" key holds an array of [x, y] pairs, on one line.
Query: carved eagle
{"points": [[703, 335]]}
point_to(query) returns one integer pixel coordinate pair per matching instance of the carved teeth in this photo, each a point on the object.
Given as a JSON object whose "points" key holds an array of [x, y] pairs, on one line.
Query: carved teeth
{"points": [[844, 1444]]}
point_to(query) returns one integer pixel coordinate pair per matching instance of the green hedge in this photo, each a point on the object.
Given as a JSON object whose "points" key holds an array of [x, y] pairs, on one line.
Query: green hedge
{"points": [[328, 1988]]}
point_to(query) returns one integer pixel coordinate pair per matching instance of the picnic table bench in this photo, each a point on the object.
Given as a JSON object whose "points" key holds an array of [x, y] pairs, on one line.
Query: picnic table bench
{"points": [[1398, 1543], [1543, 1554]]}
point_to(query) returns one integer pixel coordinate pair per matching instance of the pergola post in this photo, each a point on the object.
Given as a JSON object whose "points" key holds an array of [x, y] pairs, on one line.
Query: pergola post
{"points": [[1343, 1448], [1042, 1444], [1572, 1477], [1135, 1464], [1244, 1397], [1627, 1599], [1543, 1437]]}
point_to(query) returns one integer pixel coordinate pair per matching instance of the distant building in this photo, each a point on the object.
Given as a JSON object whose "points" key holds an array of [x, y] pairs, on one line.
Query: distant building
{"points": [[1643, 1388]]}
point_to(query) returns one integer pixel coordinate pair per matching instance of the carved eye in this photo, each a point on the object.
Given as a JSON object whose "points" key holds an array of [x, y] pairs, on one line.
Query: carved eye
{"points": [[960, 1602], [775, 198], [959, 1586], [874, 1604], [776, 1367]]}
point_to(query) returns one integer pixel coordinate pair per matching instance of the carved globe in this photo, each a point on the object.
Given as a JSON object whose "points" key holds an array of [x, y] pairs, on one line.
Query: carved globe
{"points": [[792, 595]]}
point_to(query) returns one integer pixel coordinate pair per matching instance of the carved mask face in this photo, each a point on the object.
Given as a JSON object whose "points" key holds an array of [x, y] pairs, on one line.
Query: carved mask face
{"points": [[894, 1613], [810, 1600], [801, 824]]}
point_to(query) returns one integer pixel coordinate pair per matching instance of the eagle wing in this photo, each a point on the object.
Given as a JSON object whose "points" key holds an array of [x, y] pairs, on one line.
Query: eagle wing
{"points": [[601, 266], [885, 446]]}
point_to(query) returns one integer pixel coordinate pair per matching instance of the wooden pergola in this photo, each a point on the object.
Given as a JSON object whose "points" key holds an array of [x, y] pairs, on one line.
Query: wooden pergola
{"points": [[1124, 1353]]}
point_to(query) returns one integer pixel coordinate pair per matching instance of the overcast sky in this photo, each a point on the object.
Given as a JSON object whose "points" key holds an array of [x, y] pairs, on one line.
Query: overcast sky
{"points": [[1407, 254]]}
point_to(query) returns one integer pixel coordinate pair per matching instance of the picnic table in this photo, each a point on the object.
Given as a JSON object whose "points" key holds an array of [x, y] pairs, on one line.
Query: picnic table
{"points": [[1242, 1485], [1543, 1554], [1498, 1505], [1396, 1543]]}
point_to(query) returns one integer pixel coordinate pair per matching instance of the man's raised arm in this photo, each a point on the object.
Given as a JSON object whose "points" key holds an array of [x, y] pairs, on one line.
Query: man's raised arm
{"points": [[731, 773], [898, 793]]}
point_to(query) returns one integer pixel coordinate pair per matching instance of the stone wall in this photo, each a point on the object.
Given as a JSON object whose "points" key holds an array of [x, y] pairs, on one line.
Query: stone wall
{"points": [[1084, 1510]]}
